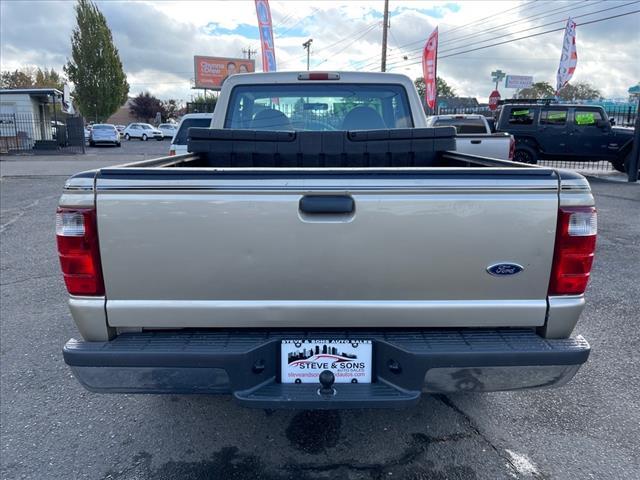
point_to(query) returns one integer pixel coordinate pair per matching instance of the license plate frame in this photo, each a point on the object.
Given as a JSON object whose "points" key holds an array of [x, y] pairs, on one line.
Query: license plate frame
{"points": [[302, 360]]}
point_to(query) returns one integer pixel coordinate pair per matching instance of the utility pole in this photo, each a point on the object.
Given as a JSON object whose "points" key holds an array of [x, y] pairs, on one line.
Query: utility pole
{"points": [[247, 52], [385, 26], [307, 45]]}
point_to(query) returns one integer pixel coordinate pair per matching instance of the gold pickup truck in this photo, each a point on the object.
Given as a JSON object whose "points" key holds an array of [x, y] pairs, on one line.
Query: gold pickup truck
{"points": [[321, 247]]}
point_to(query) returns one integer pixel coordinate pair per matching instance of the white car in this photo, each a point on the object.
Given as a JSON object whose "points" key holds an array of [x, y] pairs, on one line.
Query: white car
{"points": [[179, 142], [168, 129], [143, 131]]}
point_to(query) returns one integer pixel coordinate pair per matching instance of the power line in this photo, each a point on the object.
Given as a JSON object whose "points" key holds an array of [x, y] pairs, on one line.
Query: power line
{"points": [[533, 35], [538, 16], [522, 5], [525, 30], [349, 44], [313, 11], [348, 37], [419, 50]]}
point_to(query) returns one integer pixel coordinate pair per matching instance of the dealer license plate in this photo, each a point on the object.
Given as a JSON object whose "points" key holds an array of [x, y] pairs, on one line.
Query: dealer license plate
{"points": [[303, 360]]}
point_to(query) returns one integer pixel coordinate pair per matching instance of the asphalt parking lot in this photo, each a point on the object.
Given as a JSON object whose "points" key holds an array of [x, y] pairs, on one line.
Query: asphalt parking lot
{"points": [[52, 428]]}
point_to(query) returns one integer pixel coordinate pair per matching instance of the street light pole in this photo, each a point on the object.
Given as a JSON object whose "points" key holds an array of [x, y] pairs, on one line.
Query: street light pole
{"points": [[307, 45]]}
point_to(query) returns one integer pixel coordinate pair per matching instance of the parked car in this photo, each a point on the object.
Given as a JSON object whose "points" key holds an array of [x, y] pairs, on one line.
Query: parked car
{"points": [[104, 134], [474, 136], [335, 268], [179, 141], [553, 131], [143, 131], [168, 129]]}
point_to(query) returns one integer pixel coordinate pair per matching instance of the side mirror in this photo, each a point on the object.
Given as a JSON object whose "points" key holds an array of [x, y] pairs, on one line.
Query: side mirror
{"points": [[612, 121], [603, 124]]}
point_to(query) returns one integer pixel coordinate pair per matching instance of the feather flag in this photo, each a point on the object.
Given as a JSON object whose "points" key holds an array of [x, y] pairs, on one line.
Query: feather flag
{"points": [[569, 57]]}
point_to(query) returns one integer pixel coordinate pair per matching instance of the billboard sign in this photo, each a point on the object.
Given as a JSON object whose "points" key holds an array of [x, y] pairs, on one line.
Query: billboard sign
{"points": [[211, 72], [518, 81]]}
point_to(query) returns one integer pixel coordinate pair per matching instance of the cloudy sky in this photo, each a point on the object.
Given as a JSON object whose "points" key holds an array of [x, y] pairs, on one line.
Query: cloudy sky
{"points": [[157, 39]]}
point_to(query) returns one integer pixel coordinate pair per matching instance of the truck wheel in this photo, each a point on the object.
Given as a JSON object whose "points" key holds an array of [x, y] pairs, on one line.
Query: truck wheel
{"points": [[524, 154], [619, 165]]}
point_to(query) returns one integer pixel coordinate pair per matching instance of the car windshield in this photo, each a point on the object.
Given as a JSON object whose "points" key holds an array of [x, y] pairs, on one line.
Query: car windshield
{"points": [[463, 125], [318, 106], [187, 123], [103, 127], [146, 126]]}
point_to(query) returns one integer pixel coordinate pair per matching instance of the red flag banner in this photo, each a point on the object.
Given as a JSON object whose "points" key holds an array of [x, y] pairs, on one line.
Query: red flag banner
{"points": [[429, 68], [569, 56], [266, 36]]}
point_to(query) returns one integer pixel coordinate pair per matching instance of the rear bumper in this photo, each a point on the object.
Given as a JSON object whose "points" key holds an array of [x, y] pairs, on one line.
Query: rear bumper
{"points": [[406, 363]]}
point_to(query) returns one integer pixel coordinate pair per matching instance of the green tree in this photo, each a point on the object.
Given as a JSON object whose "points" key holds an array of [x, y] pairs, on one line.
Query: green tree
{"points": [[443, 88], [172, 108], [145, 107], [579, 91], [48, 79], [16, 79], [95, 68], [537, 90], [203, 104], [32, 77]]}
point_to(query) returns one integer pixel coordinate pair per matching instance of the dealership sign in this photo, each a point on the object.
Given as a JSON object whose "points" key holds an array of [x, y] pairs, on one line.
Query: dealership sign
{"points": [[518, 81], [211, 72]]}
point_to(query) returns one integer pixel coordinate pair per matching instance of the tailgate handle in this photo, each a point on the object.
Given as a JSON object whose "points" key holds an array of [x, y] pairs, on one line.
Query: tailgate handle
{"points": [[475, 142], [319, 204]]}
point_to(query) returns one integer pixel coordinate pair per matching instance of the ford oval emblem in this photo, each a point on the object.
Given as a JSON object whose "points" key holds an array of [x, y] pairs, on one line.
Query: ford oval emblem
{"points": [[501, 269]]}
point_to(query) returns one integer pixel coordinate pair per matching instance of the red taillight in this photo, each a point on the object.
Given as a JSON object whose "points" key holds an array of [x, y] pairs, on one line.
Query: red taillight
{"points": [[172, 152], [77, 237], [512, 147], [575, 246]]}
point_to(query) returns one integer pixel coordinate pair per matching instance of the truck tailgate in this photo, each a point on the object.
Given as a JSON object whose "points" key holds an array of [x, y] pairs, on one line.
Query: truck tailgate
{"points": [[241, 248]]}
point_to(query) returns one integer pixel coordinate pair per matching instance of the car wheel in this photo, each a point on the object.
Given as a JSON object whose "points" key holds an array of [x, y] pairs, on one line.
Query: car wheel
{"points": [[524, 154], [127, 136], [144, 137], [159, 139], [92, 144], [619, 165], [118, 144]]}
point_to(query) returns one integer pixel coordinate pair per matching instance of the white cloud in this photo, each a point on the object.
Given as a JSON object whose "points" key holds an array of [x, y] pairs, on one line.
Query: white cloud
{"points": [[157, 39]]}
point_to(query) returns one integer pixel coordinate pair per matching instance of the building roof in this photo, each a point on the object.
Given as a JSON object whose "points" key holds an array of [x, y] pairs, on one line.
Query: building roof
{"points": [[36, 92]]}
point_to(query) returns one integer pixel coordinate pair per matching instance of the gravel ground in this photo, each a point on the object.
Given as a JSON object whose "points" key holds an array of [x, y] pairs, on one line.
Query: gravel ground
{"points": [[52, 428]]}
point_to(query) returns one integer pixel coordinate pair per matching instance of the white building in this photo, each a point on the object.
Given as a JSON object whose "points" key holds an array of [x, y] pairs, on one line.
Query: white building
{"points": [[26, 117]]}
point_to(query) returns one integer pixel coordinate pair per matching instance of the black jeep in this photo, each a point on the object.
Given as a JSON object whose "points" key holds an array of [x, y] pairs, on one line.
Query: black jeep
{"points": [[551, 131]]}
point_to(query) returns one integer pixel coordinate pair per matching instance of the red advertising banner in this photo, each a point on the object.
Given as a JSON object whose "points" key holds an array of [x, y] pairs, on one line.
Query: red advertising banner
{"points": [[211, 72], [429, 69], [266, 36]]}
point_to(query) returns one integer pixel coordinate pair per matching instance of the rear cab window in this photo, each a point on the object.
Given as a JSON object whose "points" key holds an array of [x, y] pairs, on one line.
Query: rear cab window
{"points": [[180, 137], [463, 125], [318, 107]]}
